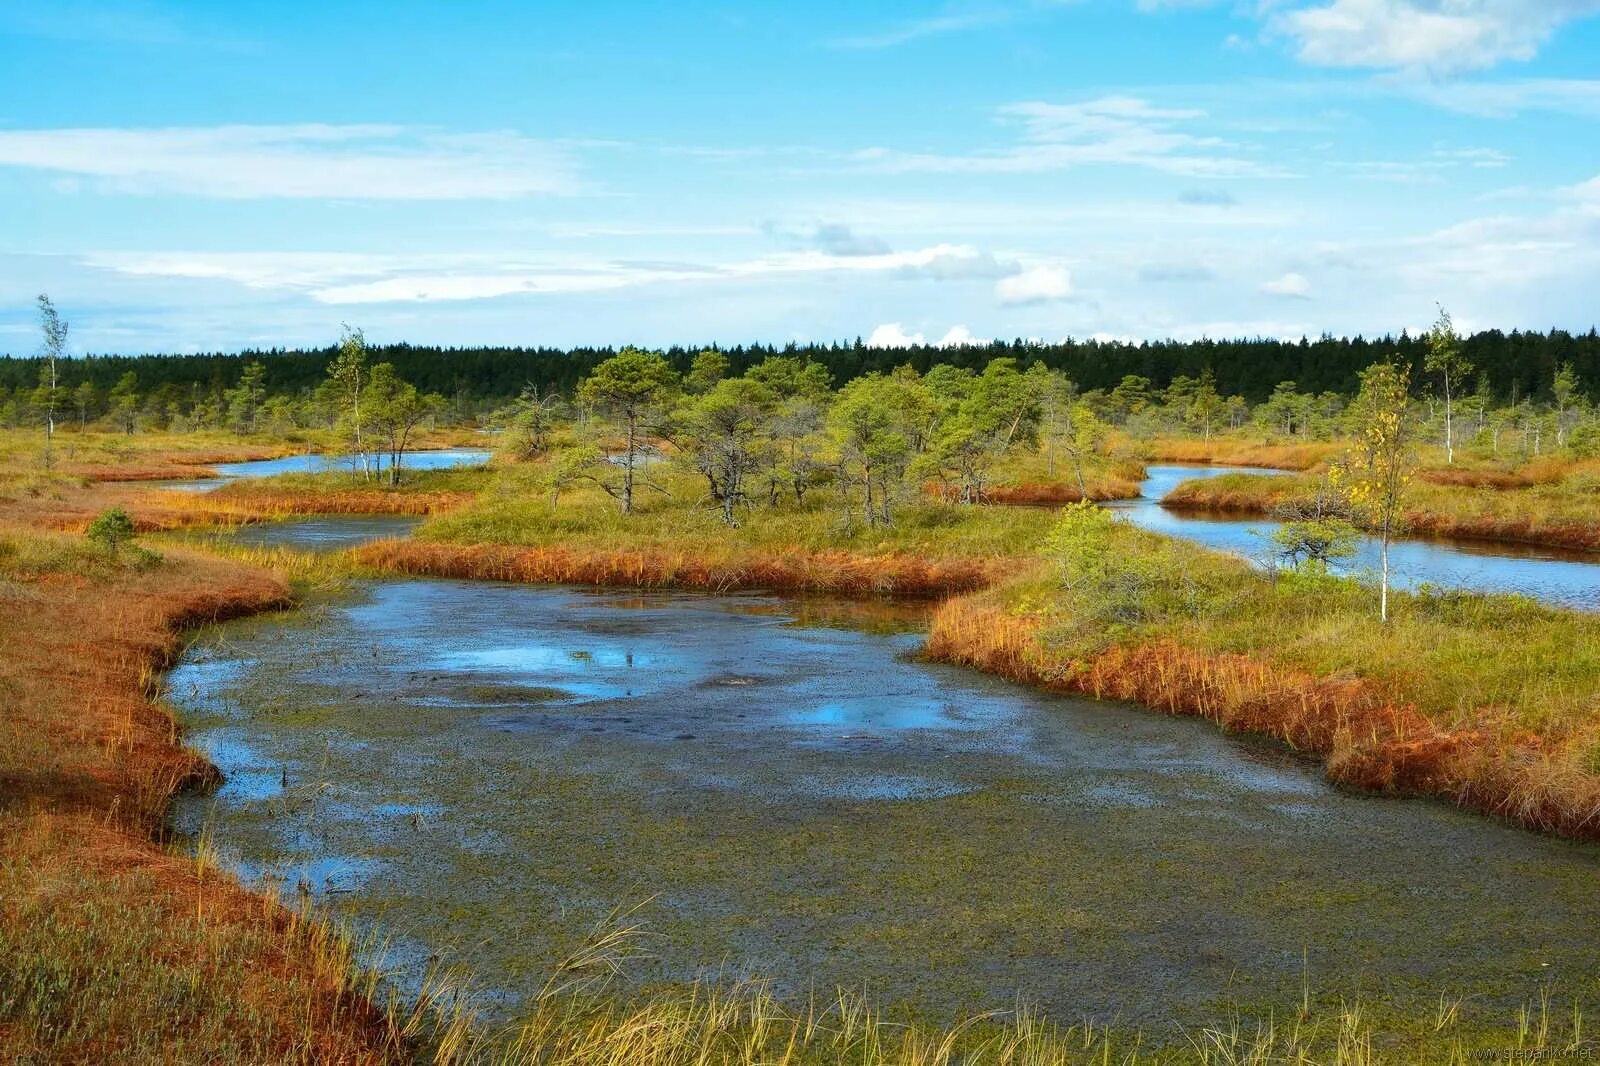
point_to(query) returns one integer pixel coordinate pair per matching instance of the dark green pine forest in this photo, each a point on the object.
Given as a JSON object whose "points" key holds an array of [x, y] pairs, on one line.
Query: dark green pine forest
{"points": [[1516, 365]]}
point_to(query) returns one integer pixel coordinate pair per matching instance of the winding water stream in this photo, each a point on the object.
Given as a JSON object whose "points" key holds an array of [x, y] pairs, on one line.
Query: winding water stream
{"points": [[485, 770], [1571, 579]]}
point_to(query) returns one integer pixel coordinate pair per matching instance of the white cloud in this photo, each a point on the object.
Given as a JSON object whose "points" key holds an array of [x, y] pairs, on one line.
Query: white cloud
{"points": [[1108, 131], [1040, 284], [958, 336], [341, 278], [1429, 35], [364, 162], [891, 335], [894, 335], [1588, 196], [1290, 284], [1504, 98]]}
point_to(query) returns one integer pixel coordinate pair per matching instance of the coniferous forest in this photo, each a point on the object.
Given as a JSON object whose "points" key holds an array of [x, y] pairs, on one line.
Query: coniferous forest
{"points": [[1515, 365]]}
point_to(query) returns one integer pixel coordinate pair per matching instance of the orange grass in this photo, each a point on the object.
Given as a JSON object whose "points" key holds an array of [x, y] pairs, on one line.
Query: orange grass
{"points": [[1042, 493], [1508, 517], [119, 472], [1458, 477], [1227, 451], [1515, 528], [91, 905], [1254, 494], [797, 570], [1366, 738], [276, 500]]}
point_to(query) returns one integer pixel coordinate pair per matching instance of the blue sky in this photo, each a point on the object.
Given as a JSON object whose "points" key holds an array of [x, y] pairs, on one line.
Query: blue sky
{"points": [[198, 176]]}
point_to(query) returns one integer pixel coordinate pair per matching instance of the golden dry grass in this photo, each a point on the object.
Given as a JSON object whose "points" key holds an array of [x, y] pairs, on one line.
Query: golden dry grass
{"points": [[114, 948], [719, 570], [1241, 451]]}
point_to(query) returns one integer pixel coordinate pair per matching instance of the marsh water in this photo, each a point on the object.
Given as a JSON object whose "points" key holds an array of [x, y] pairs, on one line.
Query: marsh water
{"points": [[484, 771], [481, 772], [422, 459], [1569, 578]]}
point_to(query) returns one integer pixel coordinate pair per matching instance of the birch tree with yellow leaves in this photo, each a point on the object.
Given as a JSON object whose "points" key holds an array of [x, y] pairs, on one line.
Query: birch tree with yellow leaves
{"points": [[1376, 472]]}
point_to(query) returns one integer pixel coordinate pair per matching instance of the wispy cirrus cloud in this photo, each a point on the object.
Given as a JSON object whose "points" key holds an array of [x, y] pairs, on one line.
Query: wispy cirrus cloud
{"points": [[1106, 131], [304, 161], [1508, 97], [338, 278], [953, 18]]}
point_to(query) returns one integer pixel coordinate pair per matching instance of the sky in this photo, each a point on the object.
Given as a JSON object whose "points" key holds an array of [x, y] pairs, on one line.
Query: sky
{"points": [[219, 176]]}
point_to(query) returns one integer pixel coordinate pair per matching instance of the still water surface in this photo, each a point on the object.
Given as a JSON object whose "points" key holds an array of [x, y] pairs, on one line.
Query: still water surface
{"points": [[1571, 579], [483, 771], [428, 459]]}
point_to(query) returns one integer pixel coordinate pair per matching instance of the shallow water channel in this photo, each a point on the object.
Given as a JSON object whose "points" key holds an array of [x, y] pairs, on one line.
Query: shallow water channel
{"points": [[421, 459], [483, 771], [1569, 578]]}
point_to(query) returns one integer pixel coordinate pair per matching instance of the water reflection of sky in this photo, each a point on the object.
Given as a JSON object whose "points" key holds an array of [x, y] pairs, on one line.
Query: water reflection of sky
{"points": [[427, 459], [1549, 575], [494, 767]]}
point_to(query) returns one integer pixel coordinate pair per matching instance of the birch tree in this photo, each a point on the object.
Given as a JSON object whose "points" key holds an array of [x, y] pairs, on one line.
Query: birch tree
{"points": [[347, 374], [1445, 359], [1378, 469], [394, 410], [48, 397]]}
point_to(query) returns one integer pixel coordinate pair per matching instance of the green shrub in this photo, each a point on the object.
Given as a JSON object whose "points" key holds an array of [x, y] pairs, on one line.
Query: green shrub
{"points": [[111, 529]]}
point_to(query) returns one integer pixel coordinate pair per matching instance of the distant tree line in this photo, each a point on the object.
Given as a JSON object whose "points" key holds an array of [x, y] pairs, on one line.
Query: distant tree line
{"points": [[1510, 367]]}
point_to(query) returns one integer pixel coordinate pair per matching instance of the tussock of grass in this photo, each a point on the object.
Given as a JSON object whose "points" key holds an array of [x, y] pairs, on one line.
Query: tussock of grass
{"points": [[1254, 494]]}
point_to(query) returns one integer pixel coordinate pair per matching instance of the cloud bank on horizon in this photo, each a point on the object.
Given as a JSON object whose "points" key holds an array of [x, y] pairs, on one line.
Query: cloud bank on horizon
{"points": [[183, 178]]}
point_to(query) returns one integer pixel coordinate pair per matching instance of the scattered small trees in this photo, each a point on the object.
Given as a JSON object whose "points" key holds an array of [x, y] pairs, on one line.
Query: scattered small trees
{"points": [[797, 422], [394, 410], [1316, 530], [528, 421], [85, 399], [1568, 401], [992, 411], [873, 447]]}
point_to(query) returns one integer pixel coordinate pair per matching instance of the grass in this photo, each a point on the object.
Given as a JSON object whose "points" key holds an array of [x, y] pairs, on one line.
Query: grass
{"points": [[1485, 700], [115, 948], [514, 511], [98, 454], [421, 492], [745, 1026], [1238, 449]]}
